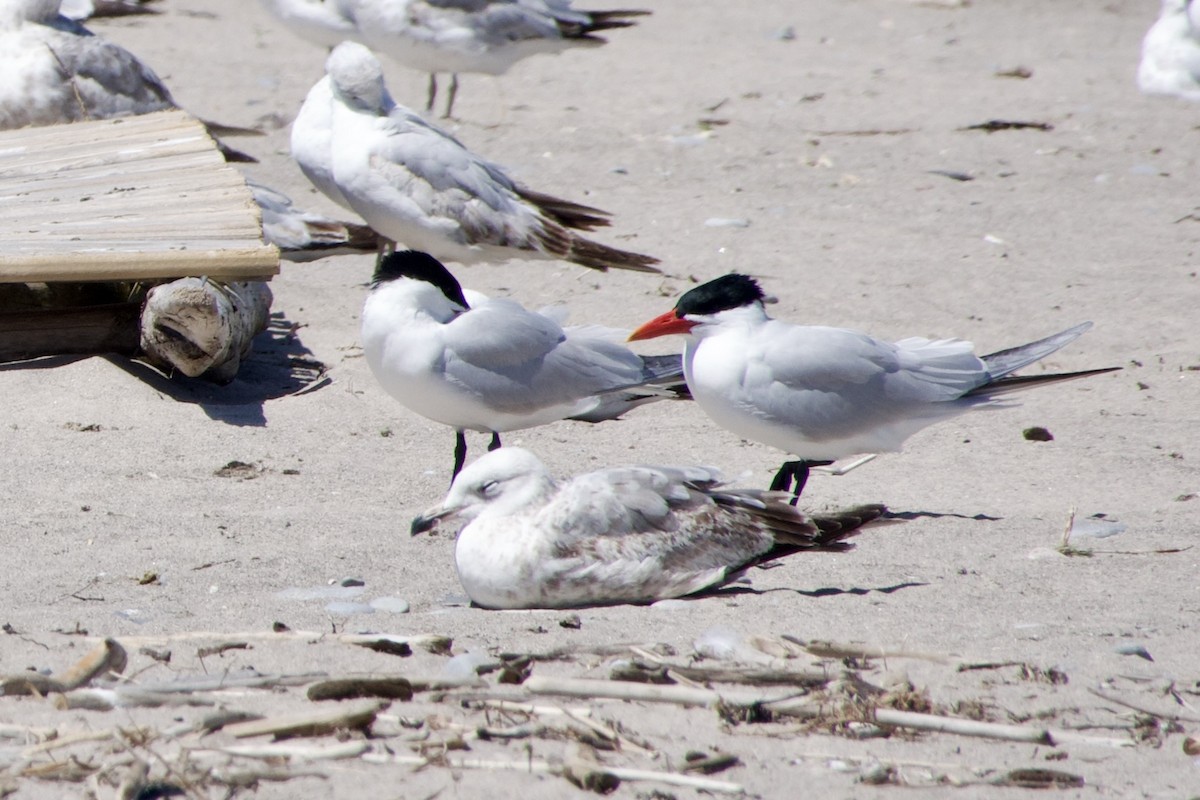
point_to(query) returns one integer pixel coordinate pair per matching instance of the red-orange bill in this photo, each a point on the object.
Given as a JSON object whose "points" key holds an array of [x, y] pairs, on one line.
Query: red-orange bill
{"points": [[662, 325]]}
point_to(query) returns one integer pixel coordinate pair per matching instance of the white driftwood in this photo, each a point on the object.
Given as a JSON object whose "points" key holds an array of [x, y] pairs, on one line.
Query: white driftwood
{"points": [[622, 690], [352, 716], [295, 752], [200, 327], [537, 766]]}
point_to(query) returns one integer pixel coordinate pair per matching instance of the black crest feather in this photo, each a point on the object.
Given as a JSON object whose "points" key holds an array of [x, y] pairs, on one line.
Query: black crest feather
{"points": [[421, 267], [723, 293]]}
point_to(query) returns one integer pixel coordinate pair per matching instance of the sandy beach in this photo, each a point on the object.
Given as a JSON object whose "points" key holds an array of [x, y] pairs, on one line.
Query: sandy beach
{"points": [[826, 148]]}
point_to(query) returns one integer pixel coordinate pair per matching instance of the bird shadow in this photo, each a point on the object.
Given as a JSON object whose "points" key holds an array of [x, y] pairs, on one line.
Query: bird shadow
{"points": [[910, 515], [828, 591], [278, 366]]}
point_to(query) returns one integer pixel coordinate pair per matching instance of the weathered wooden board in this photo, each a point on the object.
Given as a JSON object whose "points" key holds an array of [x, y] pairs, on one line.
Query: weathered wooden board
{"points": [[135, 198]]}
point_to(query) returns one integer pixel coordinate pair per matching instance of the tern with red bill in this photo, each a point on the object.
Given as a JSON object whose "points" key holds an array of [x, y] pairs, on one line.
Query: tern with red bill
{"points": [[620, 535], [825, 393]]}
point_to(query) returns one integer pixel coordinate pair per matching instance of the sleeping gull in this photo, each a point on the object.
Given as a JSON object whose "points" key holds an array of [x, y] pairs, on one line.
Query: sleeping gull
{"points": [[53, 70], [417, 185], [825, 393], [623, 535], [488, 364]]}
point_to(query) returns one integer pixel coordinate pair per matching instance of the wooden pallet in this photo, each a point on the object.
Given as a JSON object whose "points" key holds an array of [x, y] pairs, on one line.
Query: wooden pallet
{"points": [[136, 198]]}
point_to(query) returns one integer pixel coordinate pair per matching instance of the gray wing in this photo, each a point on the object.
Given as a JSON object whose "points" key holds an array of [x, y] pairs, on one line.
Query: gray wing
{"points": [[661, 514], [473, 200], [110, 80], [519, 361], [839, 382]]}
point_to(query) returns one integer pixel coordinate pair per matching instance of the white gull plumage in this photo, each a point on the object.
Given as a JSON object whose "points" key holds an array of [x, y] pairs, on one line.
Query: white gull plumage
{"points": [[420, 187], [825, 393], [53, 70], [621, 535], [1170, 62], [488, 364], [455, 36]]}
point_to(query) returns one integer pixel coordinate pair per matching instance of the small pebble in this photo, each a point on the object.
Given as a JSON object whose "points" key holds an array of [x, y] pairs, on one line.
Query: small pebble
{"points": [[320, 593], [343, 608], [726, 222], [352, 582], [1134, 650], [393, 605], [1037, 434]]}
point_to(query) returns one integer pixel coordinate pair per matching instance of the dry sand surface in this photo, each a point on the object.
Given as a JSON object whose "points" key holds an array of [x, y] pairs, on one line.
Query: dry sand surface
{"points": [[833, 144]]}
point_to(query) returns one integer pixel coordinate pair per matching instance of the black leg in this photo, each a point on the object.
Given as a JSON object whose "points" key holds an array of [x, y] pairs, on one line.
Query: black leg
{"points": [[432, 91], [797, 471], [460, 453], [452, 94], [495, 444]]}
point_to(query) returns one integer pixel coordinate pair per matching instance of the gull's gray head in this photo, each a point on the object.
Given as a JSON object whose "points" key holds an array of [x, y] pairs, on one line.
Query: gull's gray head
{"points": [[357, 77], [502, 483]]}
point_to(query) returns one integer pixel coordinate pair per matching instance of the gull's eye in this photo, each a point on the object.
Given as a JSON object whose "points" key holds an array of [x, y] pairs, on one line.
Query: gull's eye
{"points": [[488, 488]]}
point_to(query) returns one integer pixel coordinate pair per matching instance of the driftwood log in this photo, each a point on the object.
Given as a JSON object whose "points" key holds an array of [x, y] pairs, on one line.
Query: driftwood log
{"points": [[203, 328], [195, 326]]}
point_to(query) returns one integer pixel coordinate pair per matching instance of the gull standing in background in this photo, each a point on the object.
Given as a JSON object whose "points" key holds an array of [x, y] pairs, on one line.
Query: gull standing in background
{"points": [[482, 36], [489, 365], [1170, 61], [321, 22], [826, 393], [417, 185], [623, 535]]}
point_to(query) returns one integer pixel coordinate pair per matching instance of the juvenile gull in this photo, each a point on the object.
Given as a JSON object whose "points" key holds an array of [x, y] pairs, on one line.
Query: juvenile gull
{"points": [[824, 393], [488, 364], [53, 71], [623, 535], [417, 185]]}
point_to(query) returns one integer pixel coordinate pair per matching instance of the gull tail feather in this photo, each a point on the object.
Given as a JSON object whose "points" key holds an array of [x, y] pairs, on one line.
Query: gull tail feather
{"points": [[594, 255]]}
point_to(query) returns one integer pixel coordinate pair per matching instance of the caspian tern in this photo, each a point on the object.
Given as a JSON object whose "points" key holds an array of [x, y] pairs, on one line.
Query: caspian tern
{"points": [[417, 185], [484, 36], [1170, 62], [826, 393], [487, 364], [623, 535]]}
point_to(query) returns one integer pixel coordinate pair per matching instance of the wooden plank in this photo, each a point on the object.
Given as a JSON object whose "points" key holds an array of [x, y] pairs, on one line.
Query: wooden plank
{"points": [[227, 263], [136, 198], [88, 330]]}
